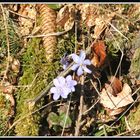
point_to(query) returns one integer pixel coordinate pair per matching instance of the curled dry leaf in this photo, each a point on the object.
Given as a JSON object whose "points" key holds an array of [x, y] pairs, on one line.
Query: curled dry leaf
{"points": [[62, 16], [113, 112], [116, 85], [99, 53], [122, 99], [65, 17]]}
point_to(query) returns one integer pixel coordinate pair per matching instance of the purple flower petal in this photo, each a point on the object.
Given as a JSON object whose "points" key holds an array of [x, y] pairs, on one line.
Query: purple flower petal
{"points": [[79, 71], [75, 58], [74, 67], [61, 80], [65, 66], [82, 55], [53, 90], [56, 96], [63, 95], [56, 82], [69, 78], [86, 69], [66, 90], [74, 82], [87, 62]]}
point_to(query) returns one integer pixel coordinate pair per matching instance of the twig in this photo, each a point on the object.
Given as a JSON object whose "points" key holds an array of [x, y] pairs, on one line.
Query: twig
{"points": [[8, 44], [91, 107], [122, 54], [47, 35], [20, 15], [117, 30], [66, 117], [78, 122], [127, 124]]}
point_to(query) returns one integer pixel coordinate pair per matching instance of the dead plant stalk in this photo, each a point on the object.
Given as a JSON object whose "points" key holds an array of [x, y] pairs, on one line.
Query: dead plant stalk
{"points": [[78, 122]]}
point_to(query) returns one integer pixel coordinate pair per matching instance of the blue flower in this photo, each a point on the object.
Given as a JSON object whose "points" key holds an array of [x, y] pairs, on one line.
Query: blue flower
{"points": [[71, 83], [80, 63], [64, 61], [63, 86]]}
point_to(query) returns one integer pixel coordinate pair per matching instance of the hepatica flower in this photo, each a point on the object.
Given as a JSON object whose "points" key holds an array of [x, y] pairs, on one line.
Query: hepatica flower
{"points": [[65, 61], [63, 86], [80, 63]]}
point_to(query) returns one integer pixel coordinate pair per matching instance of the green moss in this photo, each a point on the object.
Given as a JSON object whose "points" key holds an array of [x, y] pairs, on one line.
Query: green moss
{"points": [[134, 119], [30, 125], [34, 64]]}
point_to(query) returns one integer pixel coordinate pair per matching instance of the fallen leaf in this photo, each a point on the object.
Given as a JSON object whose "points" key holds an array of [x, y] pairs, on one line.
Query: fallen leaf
{"points": [[95, 60], [69, 24], [116, 84], [99, 53], [122, 99], [113, 112], [65, 17], [62, 16]]}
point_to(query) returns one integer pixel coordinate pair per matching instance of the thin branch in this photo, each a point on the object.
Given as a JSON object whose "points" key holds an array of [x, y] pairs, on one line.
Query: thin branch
{"points": [[66, 118], [91, 107], [47, 35], [20, 15], [117, 30], [78, 122]]}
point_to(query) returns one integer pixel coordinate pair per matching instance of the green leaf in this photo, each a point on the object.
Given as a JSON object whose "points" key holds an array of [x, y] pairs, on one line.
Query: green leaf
{"points": [[64, 120], [54, 6], [53, 119]]}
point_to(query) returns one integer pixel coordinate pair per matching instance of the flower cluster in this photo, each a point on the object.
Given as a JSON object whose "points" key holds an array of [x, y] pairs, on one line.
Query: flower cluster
{"points": [[63, 86]]}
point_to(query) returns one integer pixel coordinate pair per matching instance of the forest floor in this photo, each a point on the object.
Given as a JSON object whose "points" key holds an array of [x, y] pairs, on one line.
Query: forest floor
{"points": [[69, 69]]}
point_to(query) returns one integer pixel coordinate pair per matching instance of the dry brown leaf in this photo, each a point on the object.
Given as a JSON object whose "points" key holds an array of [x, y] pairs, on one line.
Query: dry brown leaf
{"points": [[65, 17], [95, 60], [99, 53], [88, 14], [113, 112], [62, 16], [116, 85], [122, 99]]}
